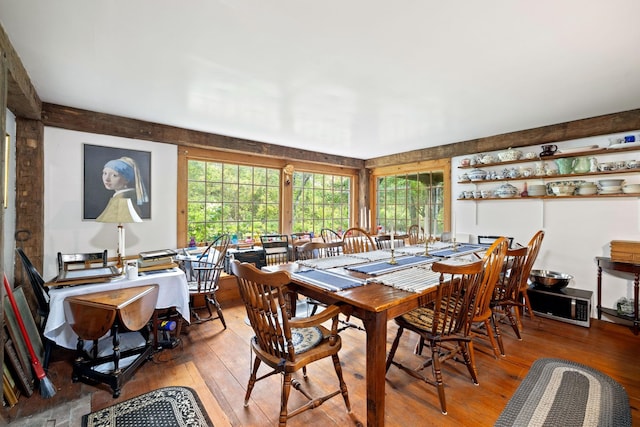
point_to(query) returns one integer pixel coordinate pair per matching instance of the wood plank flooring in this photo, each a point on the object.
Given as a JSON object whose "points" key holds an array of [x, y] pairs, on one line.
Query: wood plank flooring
{"points": [[219, 360]]}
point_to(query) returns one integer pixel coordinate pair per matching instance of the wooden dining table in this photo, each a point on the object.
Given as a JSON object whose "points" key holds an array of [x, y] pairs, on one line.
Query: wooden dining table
{"points": [[374, 304]]}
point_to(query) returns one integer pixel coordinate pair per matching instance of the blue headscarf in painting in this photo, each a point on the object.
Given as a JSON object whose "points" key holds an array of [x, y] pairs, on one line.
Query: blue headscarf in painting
{"points": [[123, 168], [128, 168]]}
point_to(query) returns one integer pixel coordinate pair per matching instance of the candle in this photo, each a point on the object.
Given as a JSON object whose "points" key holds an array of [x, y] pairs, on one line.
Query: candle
{"points": [[392, 242], [454, 225], [426, 223]]}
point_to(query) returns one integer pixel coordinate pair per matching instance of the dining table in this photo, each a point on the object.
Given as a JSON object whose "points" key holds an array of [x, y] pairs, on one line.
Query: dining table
{"points": [[173, 292], [375, 289]]}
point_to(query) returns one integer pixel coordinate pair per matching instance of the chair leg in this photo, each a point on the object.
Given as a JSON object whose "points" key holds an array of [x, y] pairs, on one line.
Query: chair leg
{"points": [[214, 301], [527, 303], [394, 347], [286, 388], [343, 385], [469, 357], [496, 329], [48, 346], [514, 319], [437, 375], [492, 339], [252, 380]]}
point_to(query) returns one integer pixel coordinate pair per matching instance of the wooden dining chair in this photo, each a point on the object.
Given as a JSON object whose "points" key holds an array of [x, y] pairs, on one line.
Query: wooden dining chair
{"points": [[384, 241], [286, 345], [41, 293], [276, 247], [503, 301], [329, 236], [445, 324], [203, 283], [356, 240], [416, 234], [534, 248]]}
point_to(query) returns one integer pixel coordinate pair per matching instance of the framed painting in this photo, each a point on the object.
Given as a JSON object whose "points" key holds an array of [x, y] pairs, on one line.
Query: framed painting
{"points": [[116, 172]]}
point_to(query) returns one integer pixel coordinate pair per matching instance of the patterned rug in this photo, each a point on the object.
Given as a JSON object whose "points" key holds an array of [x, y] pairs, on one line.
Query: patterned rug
{"points": [[559, 392], [165, 407]]}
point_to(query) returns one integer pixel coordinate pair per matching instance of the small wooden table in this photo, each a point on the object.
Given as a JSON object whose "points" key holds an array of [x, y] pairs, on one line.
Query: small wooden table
{"points": [[626, 267], [91, 316]]}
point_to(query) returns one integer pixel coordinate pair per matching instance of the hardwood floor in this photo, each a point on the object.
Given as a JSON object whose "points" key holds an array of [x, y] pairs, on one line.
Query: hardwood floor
{"points": [[218, 359]]}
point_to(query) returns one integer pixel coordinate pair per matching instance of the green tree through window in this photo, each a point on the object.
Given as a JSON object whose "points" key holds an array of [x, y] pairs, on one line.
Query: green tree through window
{"points": [[403, 200], [228, 198], [320, 201]]}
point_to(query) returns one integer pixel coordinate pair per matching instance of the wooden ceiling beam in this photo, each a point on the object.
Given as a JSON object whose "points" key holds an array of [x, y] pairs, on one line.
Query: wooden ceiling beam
{"points": [[108, 124], [22, 98], [601, 125]]}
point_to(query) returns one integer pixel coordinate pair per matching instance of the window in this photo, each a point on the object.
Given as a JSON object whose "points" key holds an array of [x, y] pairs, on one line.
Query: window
{"points": [[406, 199], [320, 201], [241, 200]]}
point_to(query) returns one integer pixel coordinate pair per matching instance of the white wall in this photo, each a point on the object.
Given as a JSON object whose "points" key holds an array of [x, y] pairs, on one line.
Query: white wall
{"points": [[576, 230], [9, 214], [64, 228]]}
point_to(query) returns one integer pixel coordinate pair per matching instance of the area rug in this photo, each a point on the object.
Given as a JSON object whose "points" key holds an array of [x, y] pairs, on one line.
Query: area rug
{"points": [[165, 407], [559, 392]]}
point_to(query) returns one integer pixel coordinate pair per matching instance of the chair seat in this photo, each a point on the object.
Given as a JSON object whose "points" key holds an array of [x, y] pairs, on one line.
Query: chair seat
{"points": [[420, 319], [193, 288], [320, 350]]}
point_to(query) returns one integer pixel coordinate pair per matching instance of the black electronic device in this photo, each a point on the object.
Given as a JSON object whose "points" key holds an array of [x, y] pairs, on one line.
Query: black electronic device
{"points": [[567, 305], [256, 256]]}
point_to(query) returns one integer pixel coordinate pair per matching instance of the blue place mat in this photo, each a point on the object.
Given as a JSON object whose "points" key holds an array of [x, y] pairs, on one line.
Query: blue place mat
{"points": [[462, 250], [327, 280], [380, 267]]}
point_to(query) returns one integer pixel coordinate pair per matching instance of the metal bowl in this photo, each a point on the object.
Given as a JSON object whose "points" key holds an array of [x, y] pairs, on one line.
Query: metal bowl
{"points": [[550, 279]]}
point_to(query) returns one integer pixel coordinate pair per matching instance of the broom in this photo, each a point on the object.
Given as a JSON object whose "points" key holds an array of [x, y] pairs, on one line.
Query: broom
{"points": [[47, 389]]}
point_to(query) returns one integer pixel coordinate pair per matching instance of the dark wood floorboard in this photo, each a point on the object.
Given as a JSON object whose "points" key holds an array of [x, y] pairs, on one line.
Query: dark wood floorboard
{"points": [[222, 359]]}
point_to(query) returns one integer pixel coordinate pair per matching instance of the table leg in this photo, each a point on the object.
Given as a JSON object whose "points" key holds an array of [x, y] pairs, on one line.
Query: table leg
{"points": [[376, 327], [599, 306]]}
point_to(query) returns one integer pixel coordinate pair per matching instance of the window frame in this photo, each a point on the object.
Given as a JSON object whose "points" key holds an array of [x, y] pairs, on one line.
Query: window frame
{"points": [[443, 165], [286, 189]]}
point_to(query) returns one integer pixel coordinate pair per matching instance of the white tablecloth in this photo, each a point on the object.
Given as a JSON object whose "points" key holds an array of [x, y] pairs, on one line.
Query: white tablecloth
{"points": [[173, 292]]}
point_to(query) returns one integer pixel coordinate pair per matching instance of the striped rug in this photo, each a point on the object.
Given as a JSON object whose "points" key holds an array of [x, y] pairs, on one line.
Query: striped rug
{"points": [[559, 392]]}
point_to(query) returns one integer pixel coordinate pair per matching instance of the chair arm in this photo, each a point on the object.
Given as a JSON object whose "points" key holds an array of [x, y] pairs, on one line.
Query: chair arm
{"points": [[326, 314]]}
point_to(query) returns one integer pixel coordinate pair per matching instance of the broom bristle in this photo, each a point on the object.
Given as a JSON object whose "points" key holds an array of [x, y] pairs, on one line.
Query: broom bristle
{"points": [[47, 389]]}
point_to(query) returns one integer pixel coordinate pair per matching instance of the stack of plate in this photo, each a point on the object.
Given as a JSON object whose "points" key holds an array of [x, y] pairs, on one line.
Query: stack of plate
{"points": [[537, 190]]}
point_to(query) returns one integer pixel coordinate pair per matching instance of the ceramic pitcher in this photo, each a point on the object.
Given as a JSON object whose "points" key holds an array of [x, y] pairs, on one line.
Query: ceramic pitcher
{"points": [[564, 165], [581, 164]]}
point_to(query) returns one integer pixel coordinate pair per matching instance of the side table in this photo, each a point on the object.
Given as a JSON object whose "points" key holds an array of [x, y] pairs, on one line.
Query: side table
{"points": [[626, 267], [91, 316]]}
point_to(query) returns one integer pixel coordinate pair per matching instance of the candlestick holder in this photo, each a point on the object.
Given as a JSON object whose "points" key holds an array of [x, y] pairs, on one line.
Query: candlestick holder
{"points": [[393, 261], [455, 245], [427, 241]]}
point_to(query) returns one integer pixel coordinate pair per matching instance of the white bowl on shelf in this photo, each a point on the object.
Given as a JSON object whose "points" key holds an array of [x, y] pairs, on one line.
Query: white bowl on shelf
{"points": [[588, 190], [610, 182], [631, 188], [564, 190], [611, 188]]}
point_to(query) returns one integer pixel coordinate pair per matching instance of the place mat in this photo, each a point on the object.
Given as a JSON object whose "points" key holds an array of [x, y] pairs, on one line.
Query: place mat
{"points": [[328, 280], [377, 255], [381, 267], [330, 262], [165, 407], [559, 392], [462, 249], [413, 279], [412, 250]]}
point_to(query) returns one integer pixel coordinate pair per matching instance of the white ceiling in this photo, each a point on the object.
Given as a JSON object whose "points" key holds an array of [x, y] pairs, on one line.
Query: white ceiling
{"points": [[359, 78]]}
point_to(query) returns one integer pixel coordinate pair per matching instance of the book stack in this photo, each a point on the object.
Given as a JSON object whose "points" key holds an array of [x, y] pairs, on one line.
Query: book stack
{"points": [[156, 259]]}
